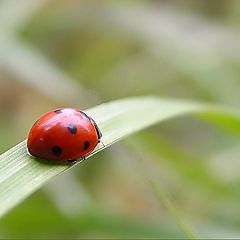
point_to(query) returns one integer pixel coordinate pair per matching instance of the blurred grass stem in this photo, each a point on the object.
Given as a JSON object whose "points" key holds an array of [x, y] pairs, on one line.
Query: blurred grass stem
{"points": [[162, 196]]}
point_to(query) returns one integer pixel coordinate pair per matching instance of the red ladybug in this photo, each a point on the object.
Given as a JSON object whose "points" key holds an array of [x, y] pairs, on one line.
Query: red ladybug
{"points": [[63, 134]]}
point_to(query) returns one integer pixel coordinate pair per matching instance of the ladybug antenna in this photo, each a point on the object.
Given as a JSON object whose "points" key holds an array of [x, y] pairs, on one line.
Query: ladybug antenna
{"points": [[102, 143]]}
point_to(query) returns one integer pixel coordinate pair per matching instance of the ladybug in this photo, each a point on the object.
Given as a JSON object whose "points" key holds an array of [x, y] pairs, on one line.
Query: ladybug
{"points": [[63, 134]]}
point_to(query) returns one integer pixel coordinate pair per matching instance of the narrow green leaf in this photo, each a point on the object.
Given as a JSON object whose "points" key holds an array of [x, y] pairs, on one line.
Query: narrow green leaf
{"points": [[191, 168], [162, 196], [21, 174]]}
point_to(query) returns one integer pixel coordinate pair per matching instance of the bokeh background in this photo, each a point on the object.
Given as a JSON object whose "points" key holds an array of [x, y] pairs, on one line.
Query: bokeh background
{"points": [[81, 53]]}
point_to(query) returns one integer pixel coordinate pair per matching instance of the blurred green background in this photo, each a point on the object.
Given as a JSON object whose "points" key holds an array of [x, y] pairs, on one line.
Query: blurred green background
{"points": [[78, 53]]}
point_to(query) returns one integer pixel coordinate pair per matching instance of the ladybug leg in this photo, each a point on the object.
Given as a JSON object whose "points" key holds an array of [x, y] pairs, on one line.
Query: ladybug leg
{"points": [[99, 141], [83, 159], [73, 161]]}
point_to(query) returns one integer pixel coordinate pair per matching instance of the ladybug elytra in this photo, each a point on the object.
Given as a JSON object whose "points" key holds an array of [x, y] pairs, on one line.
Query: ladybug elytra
{"points": [[63, 134]]}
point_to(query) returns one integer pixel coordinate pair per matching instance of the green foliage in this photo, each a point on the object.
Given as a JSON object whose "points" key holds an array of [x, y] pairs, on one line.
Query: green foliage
{"points": [[83, 53], [22, 174]]}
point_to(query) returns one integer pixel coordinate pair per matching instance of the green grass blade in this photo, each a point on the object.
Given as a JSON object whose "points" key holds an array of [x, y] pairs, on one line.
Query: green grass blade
{"points": [[191, 168], [21, 174], [162, 196]]}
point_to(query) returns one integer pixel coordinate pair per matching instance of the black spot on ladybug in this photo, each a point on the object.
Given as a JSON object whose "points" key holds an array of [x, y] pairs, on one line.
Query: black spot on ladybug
{"points": [[56, 150], [72, 128], [58, 111], [86, 145]]}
